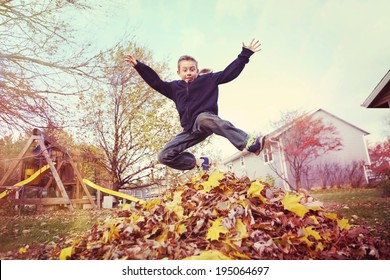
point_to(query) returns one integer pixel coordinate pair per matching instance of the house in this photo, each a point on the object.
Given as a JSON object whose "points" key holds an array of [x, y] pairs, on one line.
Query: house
{"points": [[332, 168], [380, 96]]}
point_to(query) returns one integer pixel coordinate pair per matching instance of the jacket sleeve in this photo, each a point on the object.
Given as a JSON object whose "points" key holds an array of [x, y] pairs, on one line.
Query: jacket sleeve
{"points": [[154, 80], [235, 68]]}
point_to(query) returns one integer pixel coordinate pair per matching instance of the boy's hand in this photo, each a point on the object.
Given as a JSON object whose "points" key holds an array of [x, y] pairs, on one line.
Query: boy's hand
{"points": [[131, 59], [254, 46]]}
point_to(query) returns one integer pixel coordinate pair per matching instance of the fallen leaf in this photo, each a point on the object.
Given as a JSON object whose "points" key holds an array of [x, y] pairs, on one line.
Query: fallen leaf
{"points": [[343, 224], [66, 252], [209, 255], [213, 181], [216, 229], [241, 228], [255, 190], [291, 203]]}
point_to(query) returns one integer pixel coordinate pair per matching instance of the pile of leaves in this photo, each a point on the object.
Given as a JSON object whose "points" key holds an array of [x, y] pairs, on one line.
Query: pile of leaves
{"points": [[218, 216]]}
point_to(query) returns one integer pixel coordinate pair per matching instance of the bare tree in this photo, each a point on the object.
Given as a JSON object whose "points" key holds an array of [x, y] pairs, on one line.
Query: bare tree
{"points": [[40, 66], [129, 121]]}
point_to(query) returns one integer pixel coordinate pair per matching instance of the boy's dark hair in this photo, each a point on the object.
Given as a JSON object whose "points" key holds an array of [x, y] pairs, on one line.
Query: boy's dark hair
{"points": [[186, 57]]}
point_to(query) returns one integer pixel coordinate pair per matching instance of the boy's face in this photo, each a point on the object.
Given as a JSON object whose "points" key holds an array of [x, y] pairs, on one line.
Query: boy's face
{"points": [[188, 71]]}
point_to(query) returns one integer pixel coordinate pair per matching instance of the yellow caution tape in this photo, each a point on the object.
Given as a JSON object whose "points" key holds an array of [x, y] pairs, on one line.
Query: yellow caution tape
{"points": [[26, 181], [114, 193]]}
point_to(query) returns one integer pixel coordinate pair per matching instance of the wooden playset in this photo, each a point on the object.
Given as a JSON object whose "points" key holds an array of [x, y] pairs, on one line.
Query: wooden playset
{"points": [[47, 176]]}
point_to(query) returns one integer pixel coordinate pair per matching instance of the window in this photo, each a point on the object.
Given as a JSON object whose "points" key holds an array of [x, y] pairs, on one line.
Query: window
{"points": [[242, 160], [267, 154], [229, 167]]}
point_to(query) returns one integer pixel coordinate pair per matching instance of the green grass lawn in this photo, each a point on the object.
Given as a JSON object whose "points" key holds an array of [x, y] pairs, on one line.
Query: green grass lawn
{"points": [[20, 230], [363, 206]]}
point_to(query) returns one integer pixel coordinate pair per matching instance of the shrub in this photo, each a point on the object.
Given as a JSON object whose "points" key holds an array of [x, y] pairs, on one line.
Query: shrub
{"points": [[385, 187]]}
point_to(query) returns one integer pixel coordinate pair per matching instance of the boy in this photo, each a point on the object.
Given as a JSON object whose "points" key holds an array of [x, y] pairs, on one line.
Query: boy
{"points": [[196, 99]]}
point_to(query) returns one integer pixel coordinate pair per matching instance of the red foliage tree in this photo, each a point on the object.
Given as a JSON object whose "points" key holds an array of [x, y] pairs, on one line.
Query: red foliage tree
{"points": [[305, 139], [380, 158]]}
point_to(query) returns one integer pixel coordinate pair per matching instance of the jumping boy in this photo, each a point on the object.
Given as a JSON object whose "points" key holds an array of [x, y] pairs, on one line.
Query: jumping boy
{"points": [[196, 99]]}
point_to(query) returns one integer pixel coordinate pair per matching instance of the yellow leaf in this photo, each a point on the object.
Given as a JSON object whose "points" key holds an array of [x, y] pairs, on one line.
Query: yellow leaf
{"points": [[215, 229], [106, 237], [196, 178], [241, 228], [135, 218], [163, 237], [255, 190], [309, 231], [320, 246], [291, 203], [343, 224], [209, 255], [23, 250], [242, 202], [239, 256], [213, 181], [111, 233], [126, 206], [151, 204], [332, 216], [314, 219], [180, 229], [66, 252], [175, 205]]}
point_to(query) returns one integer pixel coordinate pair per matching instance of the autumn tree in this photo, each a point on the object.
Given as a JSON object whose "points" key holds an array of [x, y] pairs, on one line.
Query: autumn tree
{"points": [[40, 65], [380, 158], [10, 148], [128, 120], [304, 138]]}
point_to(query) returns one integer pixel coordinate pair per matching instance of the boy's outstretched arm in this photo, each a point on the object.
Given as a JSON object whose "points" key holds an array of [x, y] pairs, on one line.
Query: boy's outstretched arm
{"points": [[150, 76], [131, 59], [254, 45]]}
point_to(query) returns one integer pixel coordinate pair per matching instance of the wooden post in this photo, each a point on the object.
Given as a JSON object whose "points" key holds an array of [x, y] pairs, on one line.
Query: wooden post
{"points": [[80, 178], [16, 162], [54, 172]]}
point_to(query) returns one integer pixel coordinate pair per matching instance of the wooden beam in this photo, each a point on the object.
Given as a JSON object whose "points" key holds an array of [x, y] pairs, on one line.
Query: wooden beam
{"points": [[54, 172], [80, 179], [13, 166]]}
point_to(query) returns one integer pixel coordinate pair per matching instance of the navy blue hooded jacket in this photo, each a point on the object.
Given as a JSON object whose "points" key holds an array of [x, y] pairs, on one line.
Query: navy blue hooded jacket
{"points": [[198, 96]]}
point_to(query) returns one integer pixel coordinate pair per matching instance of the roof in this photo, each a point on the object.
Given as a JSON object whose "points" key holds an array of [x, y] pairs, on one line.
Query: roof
{"points": [[380, 96], [276, 133], [282, 129]]}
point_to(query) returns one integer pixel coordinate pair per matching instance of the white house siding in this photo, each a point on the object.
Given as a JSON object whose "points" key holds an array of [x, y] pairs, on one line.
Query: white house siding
{"points": [[354, 145], [255, 167], [354, 150]]}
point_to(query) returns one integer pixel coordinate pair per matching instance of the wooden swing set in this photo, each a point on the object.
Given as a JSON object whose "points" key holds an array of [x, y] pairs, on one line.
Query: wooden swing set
{"points": [[50, 167]]}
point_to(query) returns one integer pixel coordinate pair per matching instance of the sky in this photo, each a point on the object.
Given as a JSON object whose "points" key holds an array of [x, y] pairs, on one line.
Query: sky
{"points": [[314, 54]]}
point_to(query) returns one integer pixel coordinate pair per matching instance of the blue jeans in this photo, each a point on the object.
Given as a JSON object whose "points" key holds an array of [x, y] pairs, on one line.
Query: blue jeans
{"points": [[174, 154]]}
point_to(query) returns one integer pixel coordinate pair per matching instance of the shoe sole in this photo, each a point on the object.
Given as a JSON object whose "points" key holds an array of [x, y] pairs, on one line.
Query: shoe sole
{"points": [[261, 145]]}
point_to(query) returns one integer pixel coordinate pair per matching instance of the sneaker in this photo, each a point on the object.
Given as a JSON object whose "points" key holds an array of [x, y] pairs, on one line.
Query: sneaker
{"points": [[206, 163], [256, 145]]}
